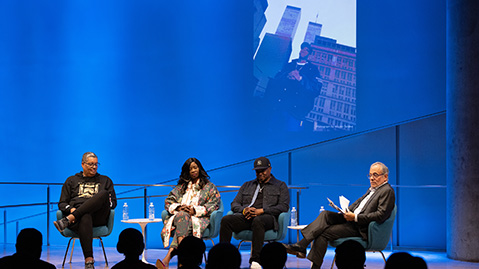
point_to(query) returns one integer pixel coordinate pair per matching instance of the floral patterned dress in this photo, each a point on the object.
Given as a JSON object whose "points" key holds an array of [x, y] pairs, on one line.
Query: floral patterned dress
{"points": [[205, 201]]}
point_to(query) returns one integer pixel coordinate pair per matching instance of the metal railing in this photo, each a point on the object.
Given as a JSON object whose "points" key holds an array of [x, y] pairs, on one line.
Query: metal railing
{"points": [[146, 200]]}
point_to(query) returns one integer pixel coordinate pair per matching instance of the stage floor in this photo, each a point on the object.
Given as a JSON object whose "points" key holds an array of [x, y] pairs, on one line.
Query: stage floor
{"points": [[54, 255]]}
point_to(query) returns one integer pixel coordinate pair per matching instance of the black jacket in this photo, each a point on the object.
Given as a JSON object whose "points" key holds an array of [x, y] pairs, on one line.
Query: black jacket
{"points": [[275, 198]]}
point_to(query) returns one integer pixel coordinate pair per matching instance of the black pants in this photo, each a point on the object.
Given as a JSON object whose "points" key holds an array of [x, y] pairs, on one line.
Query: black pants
{"points": [[92, 213], [328, 226], [237, 223]]}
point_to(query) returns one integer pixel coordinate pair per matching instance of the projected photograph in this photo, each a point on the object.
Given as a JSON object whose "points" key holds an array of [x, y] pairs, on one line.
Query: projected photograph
{"points": [[305, 64]]}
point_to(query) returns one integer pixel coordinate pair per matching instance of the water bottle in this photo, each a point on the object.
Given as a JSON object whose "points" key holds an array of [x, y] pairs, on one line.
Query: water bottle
{"points": [[125, 211], [321, 209], [151, 211], [294, 217]]}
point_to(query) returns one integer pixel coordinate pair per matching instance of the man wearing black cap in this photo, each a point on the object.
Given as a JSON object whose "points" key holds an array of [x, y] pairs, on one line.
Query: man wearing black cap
{"points": [[256, 207]]}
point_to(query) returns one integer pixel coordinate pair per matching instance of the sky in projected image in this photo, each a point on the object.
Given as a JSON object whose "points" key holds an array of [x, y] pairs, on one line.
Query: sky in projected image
{"points": [[337, 17]]}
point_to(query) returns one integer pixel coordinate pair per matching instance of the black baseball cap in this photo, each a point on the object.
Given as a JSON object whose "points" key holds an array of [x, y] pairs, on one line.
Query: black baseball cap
{"points": [[261, 163]]}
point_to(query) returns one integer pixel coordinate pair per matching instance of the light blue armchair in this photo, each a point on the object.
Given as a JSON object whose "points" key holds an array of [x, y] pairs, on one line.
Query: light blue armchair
{"points": [[378, 236], [269, 235], [213, 228], [98, 233]]}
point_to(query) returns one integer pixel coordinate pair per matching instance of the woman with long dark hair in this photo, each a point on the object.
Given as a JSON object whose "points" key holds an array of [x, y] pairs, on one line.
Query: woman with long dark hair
{"points": [[189, 207]]}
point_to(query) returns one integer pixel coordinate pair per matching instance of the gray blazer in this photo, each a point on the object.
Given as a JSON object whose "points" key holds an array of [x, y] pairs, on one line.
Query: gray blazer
{"points": [[378, 208]]}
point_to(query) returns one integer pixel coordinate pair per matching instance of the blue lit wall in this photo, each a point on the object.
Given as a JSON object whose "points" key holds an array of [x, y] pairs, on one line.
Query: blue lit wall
{"points": [[145, 84], [401, 64]]}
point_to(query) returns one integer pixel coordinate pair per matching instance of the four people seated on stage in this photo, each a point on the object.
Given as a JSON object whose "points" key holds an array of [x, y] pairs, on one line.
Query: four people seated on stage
{"points": [[189, 207], [256, 207], [86, 200], [375, 205]]}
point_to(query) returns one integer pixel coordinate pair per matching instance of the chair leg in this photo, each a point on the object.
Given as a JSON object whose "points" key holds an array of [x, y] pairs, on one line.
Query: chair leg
{"points": [[104, 253], [334, 259], [384, 258], [213, 242], [73, 247], [66, 252]]}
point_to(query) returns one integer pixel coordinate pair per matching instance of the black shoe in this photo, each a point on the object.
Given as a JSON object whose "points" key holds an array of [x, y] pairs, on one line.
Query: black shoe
{"points": [[314, 266], [61, 224], [296, 249], [89, 265]]}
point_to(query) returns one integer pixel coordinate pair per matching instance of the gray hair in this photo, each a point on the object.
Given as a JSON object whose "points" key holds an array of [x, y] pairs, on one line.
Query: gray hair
{"points": [[87, 155], [383, 167]]}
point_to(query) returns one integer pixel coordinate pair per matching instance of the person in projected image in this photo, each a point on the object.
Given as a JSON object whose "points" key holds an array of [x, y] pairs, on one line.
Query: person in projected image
{"points": [[29, 250], [293, 90], [86, 201], [256, 207], [375, 205], [189, 207]]}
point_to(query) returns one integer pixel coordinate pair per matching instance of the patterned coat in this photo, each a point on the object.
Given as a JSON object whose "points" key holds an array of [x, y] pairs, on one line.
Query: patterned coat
{"points": [[205, 201]]}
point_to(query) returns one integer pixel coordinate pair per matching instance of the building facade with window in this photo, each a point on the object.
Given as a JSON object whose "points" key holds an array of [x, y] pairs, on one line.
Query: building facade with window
{"points": [[335, 107]]}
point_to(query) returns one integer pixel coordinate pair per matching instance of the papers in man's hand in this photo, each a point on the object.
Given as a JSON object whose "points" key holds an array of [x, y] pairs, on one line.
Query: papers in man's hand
{"points": [[343, 201]]}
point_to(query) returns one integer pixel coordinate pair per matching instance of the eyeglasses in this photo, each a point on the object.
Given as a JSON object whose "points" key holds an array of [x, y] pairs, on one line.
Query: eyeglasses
{"points": [[93, 164], [375, 175]]}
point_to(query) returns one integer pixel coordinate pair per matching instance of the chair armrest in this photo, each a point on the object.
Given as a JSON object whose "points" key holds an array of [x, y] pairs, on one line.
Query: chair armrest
{"points": [[379, 234], [59, 215], [164, 214], [111, 221], [215, 219], [283, 220]]}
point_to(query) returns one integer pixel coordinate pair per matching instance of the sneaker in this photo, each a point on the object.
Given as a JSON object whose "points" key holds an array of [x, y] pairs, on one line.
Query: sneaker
{"points": [[61, 224], [255, 265], [89, 265]]}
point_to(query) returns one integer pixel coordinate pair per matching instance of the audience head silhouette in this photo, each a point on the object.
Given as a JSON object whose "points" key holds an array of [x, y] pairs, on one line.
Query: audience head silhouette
{"points": [[350, 255], [223, 256], [400, 260], [273, 256], [29, 243], [130, 242], [29, 251], [190, 252]]}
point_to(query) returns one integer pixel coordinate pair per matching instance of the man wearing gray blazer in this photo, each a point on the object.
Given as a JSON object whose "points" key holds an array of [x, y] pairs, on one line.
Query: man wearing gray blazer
{"points": [[375, 205]]}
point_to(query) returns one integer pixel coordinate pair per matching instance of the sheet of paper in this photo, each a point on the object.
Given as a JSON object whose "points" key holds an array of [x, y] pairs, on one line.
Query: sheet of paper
{"points": [[344, 202]]}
